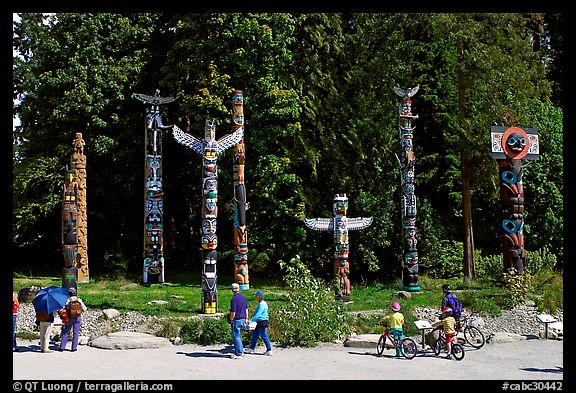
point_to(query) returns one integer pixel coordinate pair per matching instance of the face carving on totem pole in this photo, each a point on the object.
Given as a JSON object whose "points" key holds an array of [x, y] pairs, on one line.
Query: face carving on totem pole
{"points": [[515, 143], [208, 226], [340, 205], [209, 241], [210, 265]]}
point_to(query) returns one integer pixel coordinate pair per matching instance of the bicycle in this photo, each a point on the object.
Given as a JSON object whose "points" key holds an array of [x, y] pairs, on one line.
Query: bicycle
{"points": [[407, 346], [473, 336], [440, 345]]}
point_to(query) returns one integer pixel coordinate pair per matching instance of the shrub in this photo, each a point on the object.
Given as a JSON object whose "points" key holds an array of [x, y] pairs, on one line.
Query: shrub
{"points": [[169, 329], [517, 285], [540, 261], [206, 331], [490, 266], [311, 314]]}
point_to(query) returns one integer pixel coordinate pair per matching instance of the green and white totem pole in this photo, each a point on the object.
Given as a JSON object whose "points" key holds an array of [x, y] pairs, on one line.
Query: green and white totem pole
{"points": [[153, 191], [210, 149], [340, 224]]}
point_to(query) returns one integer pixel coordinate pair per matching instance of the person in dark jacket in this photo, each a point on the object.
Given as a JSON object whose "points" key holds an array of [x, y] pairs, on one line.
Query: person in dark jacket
{"points": [[238, 318]]}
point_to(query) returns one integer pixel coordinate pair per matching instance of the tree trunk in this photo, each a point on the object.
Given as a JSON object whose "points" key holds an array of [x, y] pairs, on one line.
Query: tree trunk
{"points": [[469, 270], [468, 261]]}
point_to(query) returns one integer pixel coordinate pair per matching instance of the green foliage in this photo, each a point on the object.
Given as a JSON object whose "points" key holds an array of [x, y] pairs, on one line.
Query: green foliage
{"points": [[517, 285], [540, 261], [446, 259], [169, 329], [311, 314], [206, 331], [115, 265], [549, 287], [490, 267], [321, 118]]}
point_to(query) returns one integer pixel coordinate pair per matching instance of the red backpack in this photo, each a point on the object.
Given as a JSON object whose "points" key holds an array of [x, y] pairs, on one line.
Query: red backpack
{"points": [[74, 308]]}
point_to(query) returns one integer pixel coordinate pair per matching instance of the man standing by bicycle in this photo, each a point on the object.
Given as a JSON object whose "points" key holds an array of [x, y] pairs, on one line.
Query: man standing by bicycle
{"points": [[451, 301]]}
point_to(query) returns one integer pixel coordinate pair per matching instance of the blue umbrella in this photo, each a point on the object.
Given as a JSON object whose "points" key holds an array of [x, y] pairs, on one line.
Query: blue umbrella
{"points": [[50, 299]]}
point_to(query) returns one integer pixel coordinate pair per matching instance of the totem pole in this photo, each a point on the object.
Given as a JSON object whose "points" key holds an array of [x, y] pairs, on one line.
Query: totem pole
{"points": [[509, 146], [69, 229], [239, 204], [74, 223], [340, 224], [210, 149], [153, 192], [79, 166], [407, 198]]}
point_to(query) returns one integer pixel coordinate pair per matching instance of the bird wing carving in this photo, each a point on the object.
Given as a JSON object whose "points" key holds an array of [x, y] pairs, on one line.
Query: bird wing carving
{"points": [[230, 140], [359, 222], [320, 224], [188, 140]]}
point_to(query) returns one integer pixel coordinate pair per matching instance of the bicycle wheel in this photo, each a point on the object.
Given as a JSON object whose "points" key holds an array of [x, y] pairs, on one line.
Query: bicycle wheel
{"points": [[474, 337], [381, 345], [457, 351], [409, 348], [439, 345]]}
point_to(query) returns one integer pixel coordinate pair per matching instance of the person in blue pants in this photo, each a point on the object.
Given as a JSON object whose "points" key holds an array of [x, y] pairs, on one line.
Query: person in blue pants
{"points": [[238, 318], [262, 321], [74, 323]]}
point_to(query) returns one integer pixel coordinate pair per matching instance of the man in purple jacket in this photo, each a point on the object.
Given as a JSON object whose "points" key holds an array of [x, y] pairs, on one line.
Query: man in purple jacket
{"points": [[238, 318]]}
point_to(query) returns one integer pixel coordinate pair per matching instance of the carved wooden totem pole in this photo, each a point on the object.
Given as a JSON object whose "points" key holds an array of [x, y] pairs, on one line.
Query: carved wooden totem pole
{"points": [[210, 148], [239, 204], [408, 198], [340, 224], [153, 192], [74, 219], [510, 146]]}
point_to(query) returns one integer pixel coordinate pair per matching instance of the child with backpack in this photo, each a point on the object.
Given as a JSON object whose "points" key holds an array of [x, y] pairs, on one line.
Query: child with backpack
{"points": [[74, 307], [450, 300]]}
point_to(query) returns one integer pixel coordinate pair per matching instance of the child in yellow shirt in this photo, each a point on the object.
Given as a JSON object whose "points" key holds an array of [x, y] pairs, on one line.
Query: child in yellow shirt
{"points": [[449, 326], [396, 322]]}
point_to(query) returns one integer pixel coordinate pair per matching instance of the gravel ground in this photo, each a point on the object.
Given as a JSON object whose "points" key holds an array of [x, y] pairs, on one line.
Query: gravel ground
{"points": [[527, 360], [520, 320]]}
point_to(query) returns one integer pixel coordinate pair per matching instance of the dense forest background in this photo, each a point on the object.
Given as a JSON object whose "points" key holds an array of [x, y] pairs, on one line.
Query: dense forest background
{"points": [[321, 117]]}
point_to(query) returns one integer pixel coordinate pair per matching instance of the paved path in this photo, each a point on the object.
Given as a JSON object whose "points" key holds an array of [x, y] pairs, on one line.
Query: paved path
{"points": [[525, 360]]}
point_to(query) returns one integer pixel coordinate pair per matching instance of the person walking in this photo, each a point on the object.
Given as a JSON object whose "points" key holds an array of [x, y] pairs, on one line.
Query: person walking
{"points": [[15, 309], [238, 318], [262, 321], [75, 307], [45, 321]]}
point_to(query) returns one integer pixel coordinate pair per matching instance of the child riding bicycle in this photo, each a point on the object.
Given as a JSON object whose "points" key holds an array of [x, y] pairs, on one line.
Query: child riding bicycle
{"points": [[449, 327], [396, 322]]}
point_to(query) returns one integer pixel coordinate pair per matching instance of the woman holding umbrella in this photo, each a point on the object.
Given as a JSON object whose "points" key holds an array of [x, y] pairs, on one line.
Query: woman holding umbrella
{"points": [[45, 321]]}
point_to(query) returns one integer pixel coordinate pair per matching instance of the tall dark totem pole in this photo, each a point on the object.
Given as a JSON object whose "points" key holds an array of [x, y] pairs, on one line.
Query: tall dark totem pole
{"points": [[239, 204], [408, 198], [510, 146], [153, 192], [210, 149]]}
